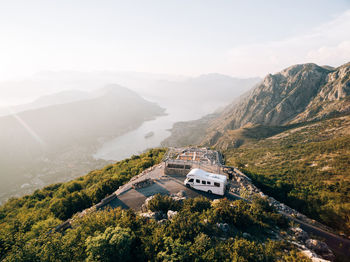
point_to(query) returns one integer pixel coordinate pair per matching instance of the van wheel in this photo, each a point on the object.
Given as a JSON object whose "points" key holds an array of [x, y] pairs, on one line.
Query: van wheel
{"points": [[188, 185], [209, 191]]}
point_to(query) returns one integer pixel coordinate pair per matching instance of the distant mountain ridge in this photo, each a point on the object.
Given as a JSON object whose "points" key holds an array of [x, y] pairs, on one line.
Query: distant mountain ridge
{"points": [[146, 84], [213, 86], [62, 97], [67, 96], [58, 141], [297, 94]]}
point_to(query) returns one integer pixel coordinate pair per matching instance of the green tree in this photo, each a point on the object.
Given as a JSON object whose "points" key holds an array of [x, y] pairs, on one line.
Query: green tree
{"points": [[163, 203], [112, 245], [174, 250]]}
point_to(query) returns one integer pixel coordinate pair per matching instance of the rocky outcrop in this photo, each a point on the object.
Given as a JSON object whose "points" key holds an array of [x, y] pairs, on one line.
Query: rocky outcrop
{"points": [[299, 234], [149, 215], [171, 214], [179, 196], [314, 249], [224, 227], [143, 183], [320, 248], [333, 98], [144, 206]]}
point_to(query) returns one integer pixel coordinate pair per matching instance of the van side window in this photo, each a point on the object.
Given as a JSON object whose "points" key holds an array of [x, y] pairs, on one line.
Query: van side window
{"points": [[216, 184], [204, 182], [191, 180], [198, 181], [208, 183]]}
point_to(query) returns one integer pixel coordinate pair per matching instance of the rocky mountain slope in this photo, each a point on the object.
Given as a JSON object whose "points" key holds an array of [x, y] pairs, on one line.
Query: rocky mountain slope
{"points": [[285, 96], [297, 94]]}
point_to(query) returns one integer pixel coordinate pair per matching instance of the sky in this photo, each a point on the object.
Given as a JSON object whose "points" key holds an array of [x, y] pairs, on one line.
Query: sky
{"points": [[183, 37]]}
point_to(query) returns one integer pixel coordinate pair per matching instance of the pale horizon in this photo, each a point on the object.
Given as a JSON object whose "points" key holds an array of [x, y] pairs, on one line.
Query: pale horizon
{"points": [[186, 38]]}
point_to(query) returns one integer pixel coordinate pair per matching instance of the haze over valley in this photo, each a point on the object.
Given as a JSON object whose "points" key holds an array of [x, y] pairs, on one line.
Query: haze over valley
{"points": [[56, 142], [65, 134]]}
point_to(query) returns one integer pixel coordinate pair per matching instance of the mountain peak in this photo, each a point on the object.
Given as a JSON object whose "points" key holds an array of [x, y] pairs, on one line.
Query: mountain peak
{"points": [[298, 93], [300, 68]]}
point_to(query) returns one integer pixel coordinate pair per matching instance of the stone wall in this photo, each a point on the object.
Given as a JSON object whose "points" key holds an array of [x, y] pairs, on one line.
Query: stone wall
{"points": [[176, 171]]}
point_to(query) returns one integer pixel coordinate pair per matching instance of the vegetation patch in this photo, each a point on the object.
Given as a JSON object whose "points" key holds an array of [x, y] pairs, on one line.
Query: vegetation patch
{"points": [[192, 235], [29, 218], [307, 169]]}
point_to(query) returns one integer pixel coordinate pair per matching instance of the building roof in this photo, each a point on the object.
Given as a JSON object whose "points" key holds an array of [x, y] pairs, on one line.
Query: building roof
{"points": [[206, 175]]}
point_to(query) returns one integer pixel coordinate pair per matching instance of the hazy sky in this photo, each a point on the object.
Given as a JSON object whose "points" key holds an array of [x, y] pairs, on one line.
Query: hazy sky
{"points": [[240, 38]]}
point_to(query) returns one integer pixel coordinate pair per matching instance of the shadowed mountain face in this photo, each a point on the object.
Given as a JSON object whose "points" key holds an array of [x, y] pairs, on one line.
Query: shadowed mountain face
{"points": [[56, 140], [297, 94]]}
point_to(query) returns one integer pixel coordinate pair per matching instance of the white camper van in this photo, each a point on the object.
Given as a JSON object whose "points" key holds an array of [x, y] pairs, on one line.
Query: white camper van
{"points": [[204, 181]]}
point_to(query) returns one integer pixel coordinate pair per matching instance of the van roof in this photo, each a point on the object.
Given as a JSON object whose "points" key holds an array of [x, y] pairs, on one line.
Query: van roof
{"points": [[206, 175]]}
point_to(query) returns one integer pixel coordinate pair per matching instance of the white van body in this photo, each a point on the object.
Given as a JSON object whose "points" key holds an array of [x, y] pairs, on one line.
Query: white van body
{"points": [[205, 181]]}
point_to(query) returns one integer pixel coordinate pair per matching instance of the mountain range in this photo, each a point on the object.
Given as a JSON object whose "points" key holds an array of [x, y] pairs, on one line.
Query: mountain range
{"points": [[56, 142], [305, 92], [208, 91], [63, 97], [160, 88]]}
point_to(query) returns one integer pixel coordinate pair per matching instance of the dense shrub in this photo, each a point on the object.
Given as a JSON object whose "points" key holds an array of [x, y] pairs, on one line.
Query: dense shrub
{"points": [[122, 235], [198, 204], [112, 245], [162, 203]]}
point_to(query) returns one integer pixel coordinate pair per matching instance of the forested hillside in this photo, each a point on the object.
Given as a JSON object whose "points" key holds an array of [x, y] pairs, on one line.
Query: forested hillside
{"points": [[201, 230], [306, 166], [28, 218]]}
